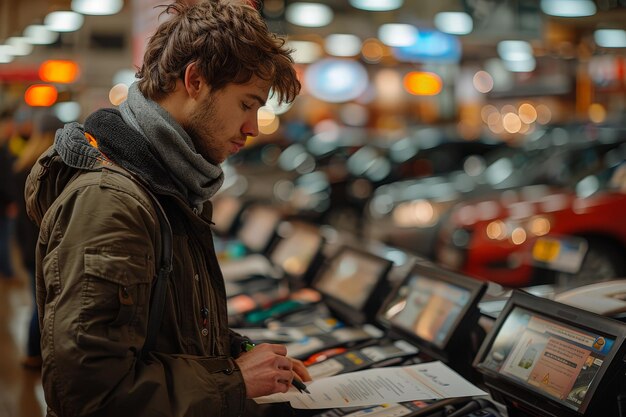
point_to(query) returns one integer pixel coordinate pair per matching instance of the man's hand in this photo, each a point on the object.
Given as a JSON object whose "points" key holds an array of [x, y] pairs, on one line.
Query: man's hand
{"points": [[300, 370], [266, 370]]}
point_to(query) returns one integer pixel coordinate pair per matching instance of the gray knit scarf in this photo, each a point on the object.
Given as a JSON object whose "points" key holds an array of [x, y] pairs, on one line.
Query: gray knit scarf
{"points": [[195, 177]]}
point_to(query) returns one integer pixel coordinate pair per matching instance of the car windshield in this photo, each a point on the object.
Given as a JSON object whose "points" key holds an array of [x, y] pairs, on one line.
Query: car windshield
{"points": [[612, 178]]}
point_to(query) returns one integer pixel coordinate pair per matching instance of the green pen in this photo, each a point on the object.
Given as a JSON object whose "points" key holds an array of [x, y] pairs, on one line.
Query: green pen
{"points": [[300, 386]]}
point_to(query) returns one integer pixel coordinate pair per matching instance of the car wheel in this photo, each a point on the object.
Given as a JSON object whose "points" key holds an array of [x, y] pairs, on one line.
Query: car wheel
{"points": [[603, 262]]}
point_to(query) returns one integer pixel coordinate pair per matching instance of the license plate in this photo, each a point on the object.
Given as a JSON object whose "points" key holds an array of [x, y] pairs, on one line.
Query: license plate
{"points": [[561, 254], [546, 250]]}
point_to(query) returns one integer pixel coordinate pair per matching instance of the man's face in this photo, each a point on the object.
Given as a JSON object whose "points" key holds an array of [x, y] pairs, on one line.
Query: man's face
{"points": [[221, 121]]}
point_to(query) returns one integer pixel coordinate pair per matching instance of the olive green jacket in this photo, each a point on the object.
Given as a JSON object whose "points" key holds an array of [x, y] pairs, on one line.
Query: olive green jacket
{"points": [[96, 259]]}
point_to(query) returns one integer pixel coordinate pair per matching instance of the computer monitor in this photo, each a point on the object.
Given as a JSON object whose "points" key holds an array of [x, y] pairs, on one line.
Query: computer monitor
{"points": [[353, 284], [434, 308], [546, 358], [259, 225], [297, 250]]}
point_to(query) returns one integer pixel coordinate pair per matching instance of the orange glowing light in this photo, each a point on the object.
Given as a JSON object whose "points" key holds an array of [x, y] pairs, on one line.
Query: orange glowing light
{"points": [[41, 95], [57, 71], [423, 83]]}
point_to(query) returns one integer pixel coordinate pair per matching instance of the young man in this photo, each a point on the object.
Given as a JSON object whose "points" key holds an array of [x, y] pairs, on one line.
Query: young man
{"points": [[206, 72]]}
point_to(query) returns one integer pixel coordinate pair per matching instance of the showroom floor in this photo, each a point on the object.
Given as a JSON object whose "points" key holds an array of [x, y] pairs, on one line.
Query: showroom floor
{"points": [[21, 394]]}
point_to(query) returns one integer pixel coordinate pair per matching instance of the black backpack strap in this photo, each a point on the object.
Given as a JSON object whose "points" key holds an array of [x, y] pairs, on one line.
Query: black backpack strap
{"points": [[159, 289], [159, 286]]}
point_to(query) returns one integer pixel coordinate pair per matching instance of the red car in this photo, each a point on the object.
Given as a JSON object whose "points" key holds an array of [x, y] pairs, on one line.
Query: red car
{"points": [[494, 239]]}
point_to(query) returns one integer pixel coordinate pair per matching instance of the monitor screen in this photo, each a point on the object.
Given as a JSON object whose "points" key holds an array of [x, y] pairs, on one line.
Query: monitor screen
{"points": [[549, 357], [351, 277], [296, 250], [427, 308], [258, 227]]}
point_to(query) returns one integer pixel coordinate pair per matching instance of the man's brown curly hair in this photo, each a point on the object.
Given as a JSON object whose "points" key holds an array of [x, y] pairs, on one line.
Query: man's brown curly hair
{"points": [[228, 40]]}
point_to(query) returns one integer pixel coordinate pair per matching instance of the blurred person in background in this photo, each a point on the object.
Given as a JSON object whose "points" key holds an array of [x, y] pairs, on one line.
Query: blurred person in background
{"points": [[26, 232], [207, 70], [22, 129], [8, 206]]}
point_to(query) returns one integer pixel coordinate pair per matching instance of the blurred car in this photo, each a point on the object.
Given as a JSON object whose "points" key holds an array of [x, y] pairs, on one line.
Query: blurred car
{"points": [[297, 176], [329, 177], [409, 214], [251, 173], [426, 152], [493, 239]]}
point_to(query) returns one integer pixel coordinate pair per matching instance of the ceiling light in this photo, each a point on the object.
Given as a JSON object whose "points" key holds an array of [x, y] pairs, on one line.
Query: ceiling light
{"points": [[568, 8], [68, 111], [610, 38], [5, 58], [41, 95], [377, 5], [511, 122], [97, 7], [309, 14], [270, 128], [6, 50], [515, 50], [343, 45], [40, 35], [336, 80], [118, 94], [372, 50], [527, 113], [482, 81], [64, 21], [544, 115], [278, 107], [19, 46], [125, 76], [398, 34], [304, 52], [265, 116], [389, 89], [423, 83], [59, 71], [430, 46], [455, 23], [522, 65]]}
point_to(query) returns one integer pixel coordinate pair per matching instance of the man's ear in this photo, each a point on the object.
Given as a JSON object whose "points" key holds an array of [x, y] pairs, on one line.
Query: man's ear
{"points": [[194, 82]]}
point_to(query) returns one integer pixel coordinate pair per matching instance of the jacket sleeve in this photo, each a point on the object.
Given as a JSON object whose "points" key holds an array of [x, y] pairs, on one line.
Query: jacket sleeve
{"points": [[97, 263], [236, 343]]}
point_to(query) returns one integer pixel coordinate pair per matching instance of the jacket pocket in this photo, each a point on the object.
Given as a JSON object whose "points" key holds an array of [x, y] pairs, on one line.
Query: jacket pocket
{"points": [[115, 292]]}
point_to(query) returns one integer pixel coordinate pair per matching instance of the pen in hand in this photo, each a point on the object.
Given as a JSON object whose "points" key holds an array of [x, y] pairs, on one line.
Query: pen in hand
{"points": [[300, 386]]}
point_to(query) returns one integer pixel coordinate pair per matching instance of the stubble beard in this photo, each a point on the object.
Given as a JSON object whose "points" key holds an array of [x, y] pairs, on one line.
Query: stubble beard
{"points": [[203, 137]]}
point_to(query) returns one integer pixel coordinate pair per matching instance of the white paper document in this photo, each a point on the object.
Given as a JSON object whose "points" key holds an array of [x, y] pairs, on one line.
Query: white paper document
{"points": [[425, 381]]}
